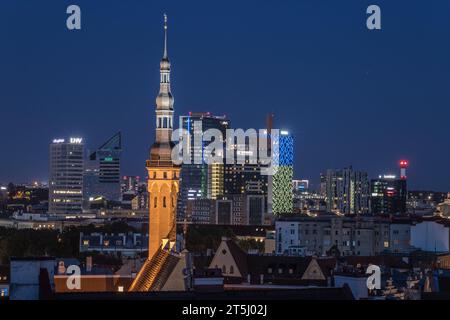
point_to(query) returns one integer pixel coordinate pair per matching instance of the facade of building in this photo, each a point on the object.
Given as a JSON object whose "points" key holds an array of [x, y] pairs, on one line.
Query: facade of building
{"points": [[66, 176], [200, 180], [238, 267], [130, 245], [200, 211], [26, 274], [282, 192], [388, 195], [320, 235], [346, 191], [102, 171], [431, 236]]}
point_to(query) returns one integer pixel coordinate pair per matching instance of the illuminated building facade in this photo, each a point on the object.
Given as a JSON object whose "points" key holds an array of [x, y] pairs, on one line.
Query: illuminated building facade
{"points": [[163, 175], [66, 176], [200, 180], [166, 266], [388, 195], [102, 171], [346, 191], [282, 202]]}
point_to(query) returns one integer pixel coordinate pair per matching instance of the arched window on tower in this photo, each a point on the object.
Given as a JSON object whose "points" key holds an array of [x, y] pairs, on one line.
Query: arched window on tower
{"points": [[159, 123], [164, 202], [164, 122], [155, 202]]}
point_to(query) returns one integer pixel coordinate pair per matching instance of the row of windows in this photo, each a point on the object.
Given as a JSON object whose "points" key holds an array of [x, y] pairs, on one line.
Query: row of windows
{"points": [[164, 202], [165, 175]]}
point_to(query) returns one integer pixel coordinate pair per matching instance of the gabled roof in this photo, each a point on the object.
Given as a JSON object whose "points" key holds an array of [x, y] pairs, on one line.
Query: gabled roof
{"points": [[276, 268], [240, 257]]}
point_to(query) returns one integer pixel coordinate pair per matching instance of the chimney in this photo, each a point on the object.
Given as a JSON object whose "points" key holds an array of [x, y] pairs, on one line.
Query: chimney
{"points": [[89, 264]]}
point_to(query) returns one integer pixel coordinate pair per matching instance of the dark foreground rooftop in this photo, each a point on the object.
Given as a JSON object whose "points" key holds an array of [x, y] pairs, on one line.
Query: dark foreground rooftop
{"points": [[343, 293]]}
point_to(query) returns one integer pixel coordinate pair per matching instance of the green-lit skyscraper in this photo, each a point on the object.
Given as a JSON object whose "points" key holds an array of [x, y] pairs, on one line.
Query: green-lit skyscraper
{"points": [[281, 184]]}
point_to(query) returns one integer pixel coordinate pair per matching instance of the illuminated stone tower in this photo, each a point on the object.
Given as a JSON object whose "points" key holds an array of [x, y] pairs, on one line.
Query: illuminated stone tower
{"points": [[163, 175], [167, 268]]}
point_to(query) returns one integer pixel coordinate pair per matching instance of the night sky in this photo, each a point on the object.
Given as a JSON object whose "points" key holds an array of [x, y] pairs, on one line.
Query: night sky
{"points": [[350, 96]]}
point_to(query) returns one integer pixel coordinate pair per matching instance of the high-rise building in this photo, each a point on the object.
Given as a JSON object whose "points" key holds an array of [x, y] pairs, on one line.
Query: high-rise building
{"points": [[200, 180], [282, 202], [244, 179], [102, 171], [66, 176], [388, 195], [347, 191]]}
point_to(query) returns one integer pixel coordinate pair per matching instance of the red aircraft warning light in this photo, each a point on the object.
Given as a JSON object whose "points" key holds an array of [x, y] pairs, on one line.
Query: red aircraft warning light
{"points": [[403, 165]]}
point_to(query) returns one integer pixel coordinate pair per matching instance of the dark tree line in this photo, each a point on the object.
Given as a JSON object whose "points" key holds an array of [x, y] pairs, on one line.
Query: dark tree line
{"points": [[45, 242]]}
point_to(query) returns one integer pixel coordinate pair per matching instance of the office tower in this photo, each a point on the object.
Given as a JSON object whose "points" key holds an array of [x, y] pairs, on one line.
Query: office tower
{"points": [[255, 209], [102, 171], [347, 191], [66, 176], [200, 180], [388, 195], [282, 202], [244, 179], [230, 210]]}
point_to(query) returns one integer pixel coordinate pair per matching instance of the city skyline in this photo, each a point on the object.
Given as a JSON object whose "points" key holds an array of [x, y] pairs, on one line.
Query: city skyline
{"points": [[308, 167], [310, 86]]}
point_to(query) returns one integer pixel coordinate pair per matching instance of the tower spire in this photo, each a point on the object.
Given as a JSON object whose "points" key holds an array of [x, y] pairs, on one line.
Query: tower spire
{"points": [[165, 36]]}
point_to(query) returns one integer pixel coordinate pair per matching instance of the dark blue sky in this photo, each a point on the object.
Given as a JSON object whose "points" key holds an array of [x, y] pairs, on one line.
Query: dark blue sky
{"points": [[349, 95]]}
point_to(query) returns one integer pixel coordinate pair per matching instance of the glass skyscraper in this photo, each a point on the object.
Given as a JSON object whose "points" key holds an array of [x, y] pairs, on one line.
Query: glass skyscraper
{"points": [[66, 176], [200, 180], [102, 172]]}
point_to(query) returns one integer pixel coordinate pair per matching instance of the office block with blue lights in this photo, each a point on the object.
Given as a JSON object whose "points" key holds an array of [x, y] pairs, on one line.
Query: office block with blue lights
{"points": [[282, 202]]}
